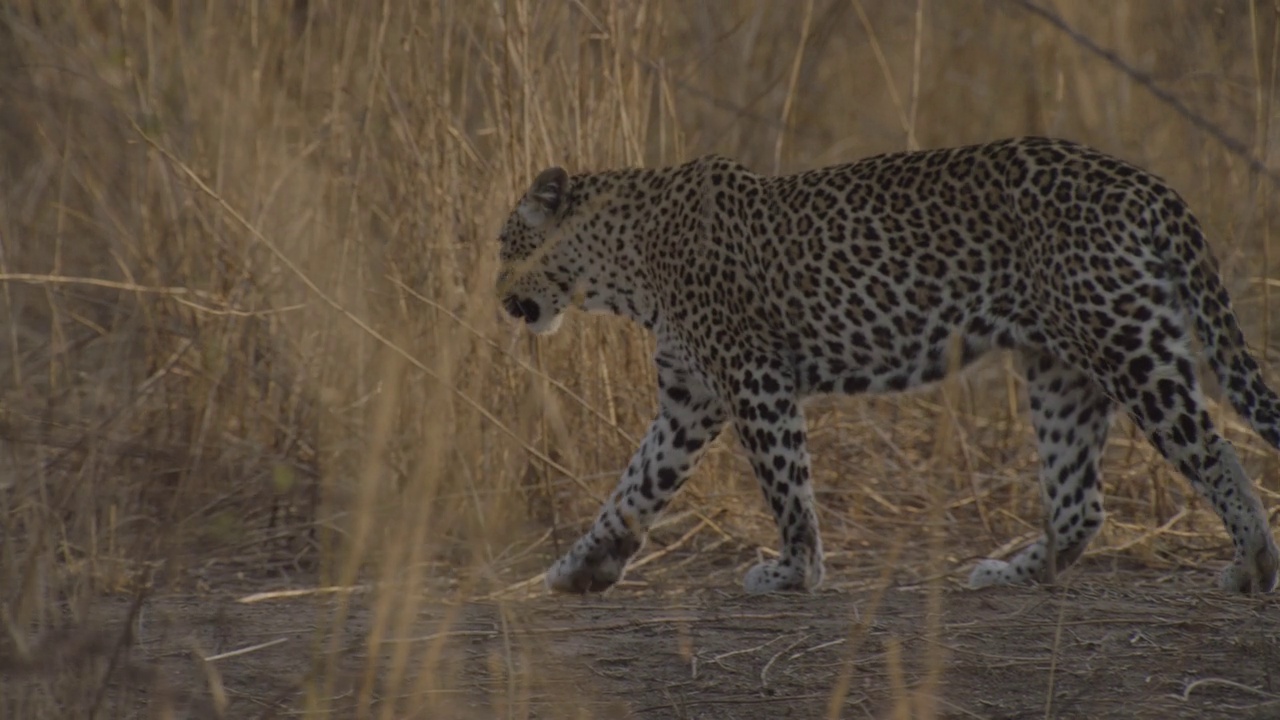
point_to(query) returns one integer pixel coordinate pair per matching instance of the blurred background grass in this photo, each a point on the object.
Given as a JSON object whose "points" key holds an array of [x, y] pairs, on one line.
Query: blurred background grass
{"points": [[247, 328]]}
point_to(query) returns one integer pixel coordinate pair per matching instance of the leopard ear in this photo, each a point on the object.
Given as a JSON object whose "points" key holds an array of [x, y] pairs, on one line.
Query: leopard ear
{"points": [[545, 197]]}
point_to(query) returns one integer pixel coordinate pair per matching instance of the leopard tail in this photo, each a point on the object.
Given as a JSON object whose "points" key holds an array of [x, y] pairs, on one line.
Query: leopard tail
{"points": [[1202, 293]]}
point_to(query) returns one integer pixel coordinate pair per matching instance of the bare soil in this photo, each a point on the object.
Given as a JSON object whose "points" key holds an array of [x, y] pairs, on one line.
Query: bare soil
{"points": [[1104, 644]]}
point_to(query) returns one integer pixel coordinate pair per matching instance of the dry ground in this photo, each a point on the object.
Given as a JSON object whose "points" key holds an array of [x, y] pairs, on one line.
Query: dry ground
{"points": [[1109, 643]]}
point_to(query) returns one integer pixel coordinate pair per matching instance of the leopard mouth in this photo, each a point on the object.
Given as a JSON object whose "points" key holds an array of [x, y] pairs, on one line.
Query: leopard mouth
{"points": [[522, 309]]}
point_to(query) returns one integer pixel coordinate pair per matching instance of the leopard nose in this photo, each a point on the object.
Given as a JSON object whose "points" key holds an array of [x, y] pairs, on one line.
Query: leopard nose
{"points": [[522, 308], [529, 310]]}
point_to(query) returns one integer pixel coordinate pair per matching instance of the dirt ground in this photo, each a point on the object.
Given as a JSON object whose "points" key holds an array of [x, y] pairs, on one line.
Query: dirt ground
{"points": [[1104, 644]]}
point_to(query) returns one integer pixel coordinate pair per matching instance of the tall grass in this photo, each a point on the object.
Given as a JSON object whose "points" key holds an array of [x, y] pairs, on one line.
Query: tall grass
{"points": [[248, 250]]}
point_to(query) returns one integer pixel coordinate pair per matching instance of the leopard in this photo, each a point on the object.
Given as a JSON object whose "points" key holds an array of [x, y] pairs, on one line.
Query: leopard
{"points": [[881, 276]]}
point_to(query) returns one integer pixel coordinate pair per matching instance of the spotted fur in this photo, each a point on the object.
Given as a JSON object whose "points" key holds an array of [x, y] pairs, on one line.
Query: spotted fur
{"points": [[862, 278]]}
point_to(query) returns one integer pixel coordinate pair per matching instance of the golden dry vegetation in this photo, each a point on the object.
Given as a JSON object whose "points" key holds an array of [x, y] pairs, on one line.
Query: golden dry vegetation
{"points": [[249, 345]]}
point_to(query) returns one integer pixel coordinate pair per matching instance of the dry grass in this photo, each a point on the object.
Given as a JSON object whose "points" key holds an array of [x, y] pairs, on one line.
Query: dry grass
{"points": [[249, 342]]}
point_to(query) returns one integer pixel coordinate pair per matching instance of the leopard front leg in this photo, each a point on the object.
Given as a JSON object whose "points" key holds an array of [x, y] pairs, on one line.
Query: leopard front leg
{"points": [[689, 418], [771, 427]]}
